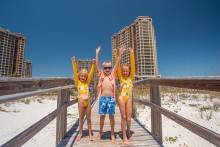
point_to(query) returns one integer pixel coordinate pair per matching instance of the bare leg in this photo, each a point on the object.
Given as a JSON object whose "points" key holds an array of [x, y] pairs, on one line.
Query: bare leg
{"points": [[81, 115], [101, 124], [123, 120], [88, 117], [128, 115], [112, 123]]}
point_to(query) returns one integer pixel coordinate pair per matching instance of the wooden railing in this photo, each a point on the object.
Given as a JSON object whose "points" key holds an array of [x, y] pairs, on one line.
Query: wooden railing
{"points": [[14, 89], [210, 84]]}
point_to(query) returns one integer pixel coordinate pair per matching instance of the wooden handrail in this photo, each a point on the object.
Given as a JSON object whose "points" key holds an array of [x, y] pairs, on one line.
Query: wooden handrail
{"points": [[33, 87], [27, 134], [18, 85], [7, 98], [201, 131], [199, 83]]}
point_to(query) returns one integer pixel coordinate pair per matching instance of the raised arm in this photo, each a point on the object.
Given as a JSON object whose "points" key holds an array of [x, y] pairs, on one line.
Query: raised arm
{"points": [[97, 58], [75, 72], [132, 64], [121, 51], [91, 72], [119, 66]]}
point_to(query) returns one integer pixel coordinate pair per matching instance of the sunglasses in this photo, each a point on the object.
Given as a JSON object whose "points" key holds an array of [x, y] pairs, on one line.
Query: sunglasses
{"points": [[105, 68]]}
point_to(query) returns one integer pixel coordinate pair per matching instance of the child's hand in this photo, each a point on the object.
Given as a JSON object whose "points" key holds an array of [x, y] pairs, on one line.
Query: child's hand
{"points": [[93, 61], [73, 58], [98, 49], [131, 50], [114, 51], [122, 50]]}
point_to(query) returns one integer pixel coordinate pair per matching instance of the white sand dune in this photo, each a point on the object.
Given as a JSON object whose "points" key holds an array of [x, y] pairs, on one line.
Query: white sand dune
{"points": [[19, 116], [176, 135]]}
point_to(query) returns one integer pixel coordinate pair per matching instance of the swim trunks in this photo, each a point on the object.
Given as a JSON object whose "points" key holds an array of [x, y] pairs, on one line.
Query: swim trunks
{"points": [[106, 105]]}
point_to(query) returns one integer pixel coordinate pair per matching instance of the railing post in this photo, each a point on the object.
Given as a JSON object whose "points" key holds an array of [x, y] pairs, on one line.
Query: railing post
{"points": [[156, 122], [63, 98]]}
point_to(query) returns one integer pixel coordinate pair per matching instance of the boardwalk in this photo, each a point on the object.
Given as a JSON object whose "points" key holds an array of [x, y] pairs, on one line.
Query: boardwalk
{"points": [[15, 89], [140, 136]]}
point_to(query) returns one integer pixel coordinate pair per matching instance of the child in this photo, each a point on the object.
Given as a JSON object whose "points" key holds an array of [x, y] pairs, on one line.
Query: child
{"points": [[106, 93], [126, 76], [82, 81]]}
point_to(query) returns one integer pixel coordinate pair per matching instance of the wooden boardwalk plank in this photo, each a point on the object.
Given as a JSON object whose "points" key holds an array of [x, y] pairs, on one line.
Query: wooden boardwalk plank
{"points": [[140, 137]]}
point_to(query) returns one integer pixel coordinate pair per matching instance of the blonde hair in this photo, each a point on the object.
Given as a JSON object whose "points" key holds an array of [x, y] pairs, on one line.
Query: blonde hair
{"points": [[105, 62], [125, 65], [83, 71]]}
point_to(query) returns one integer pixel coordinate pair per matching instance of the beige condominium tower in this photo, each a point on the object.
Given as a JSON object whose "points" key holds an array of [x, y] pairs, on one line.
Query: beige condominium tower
{"points": [[11, 53], [140, 36]]}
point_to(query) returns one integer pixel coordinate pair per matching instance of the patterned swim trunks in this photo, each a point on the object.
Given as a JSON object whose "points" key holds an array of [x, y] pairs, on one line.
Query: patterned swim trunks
{"points": [[106, 105]]}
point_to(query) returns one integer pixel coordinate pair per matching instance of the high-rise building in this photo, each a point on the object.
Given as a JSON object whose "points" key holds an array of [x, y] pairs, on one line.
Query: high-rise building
{"points": [[27, 69], [11, 53], [140, 36]]}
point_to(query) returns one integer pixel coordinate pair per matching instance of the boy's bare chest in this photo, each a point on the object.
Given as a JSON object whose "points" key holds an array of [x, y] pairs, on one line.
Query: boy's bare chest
{"points": [[107, 83]]}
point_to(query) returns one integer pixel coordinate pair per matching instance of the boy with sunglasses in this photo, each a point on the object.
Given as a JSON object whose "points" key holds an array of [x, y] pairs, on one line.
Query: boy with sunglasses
{"points": [[106, 93]]}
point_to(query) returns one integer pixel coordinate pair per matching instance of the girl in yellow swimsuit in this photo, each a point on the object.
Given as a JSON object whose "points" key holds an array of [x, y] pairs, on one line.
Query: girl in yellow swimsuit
{"points": [[82, 81], [126, 76]]}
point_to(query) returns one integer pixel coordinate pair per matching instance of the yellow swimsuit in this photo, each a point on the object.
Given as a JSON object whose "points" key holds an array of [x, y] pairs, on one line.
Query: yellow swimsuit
{"points": [[126, 89], [83, 87], [83, 93], [126, 83]]}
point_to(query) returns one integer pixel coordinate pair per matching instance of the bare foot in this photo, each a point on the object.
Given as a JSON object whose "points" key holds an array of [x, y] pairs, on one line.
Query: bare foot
{"points": [[79, 137], [98, 136], [125, 141], [113, 139]]}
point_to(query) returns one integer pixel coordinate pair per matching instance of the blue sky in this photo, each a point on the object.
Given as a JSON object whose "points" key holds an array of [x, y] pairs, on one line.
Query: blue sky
{"points": [[188, 42]]}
